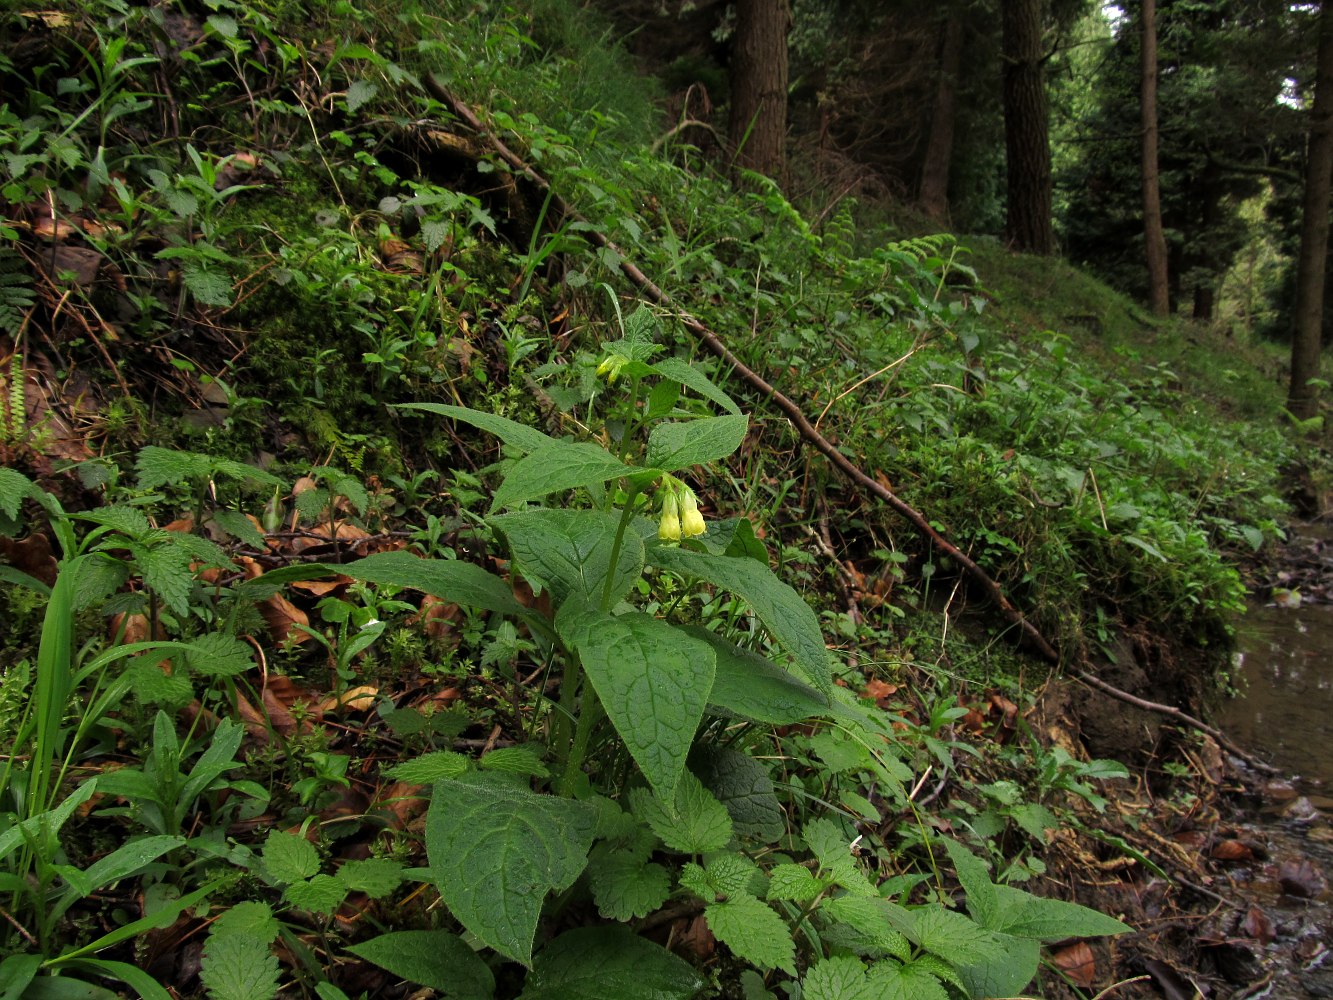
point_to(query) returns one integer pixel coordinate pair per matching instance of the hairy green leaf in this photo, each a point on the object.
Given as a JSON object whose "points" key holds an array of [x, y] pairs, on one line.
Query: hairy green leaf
{"points": [[625, 886], [696, 442], [694, 822], [784, 613], [447, 579], [742, 784], [495, 852], [319, 894], [569, 551], [436, 959], [609, 963], [652, 679], [753, 932], [556, 467], [288, 858], [757, 688], [512, 433], [376, 877], [239, 966], [430, 767]]}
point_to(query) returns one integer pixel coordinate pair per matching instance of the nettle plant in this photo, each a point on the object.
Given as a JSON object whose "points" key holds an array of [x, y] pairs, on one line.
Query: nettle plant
{"points": [[651, 792]]}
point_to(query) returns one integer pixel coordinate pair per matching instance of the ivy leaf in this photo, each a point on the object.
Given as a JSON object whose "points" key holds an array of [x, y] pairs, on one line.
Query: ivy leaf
{"points": [[239, 966], [556, 467], [742, 784], [288, 858], [569, 551], [696, 442], [753, 932], [512, 433], [693, 823], [435, 959], [321, 894], [756, 688], [447, 579], [782, 610], [609, 963], [625, 887], [652, 679], [495, 852]]}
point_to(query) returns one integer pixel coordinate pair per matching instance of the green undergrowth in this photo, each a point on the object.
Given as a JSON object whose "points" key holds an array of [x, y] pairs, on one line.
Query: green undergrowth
{"points": [[430, 606]]}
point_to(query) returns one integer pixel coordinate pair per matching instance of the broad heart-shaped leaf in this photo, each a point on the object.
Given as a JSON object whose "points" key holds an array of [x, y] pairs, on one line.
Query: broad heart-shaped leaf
{"points": [[558, 466], [569, 551], [784, 613], [1025, 915], [753, 931], [496, 850], [514, 434], [695, 442], [652, 679], [742, 784], [447, 579], [749, 685], [609, 963], [436, 959]]}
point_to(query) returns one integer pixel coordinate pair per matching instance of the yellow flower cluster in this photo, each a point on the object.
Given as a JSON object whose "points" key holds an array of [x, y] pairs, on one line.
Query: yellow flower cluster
{"points": [[680, 513]]}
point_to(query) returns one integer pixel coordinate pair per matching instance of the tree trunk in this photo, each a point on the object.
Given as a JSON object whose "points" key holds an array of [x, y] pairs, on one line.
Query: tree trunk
{"points": [[933, 196], [1154, 238], [759, 87], [1303, 398], [1026, 124]]}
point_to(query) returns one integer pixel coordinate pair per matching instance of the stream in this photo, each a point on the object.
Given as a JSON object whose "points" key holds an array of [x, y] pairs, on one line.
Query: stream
{"points": [[1283, 669]]}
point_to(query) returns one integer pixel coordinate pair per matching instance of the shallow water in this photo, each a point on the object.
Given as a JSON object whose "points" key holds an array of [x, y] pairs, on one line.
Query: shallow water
{"points": [[1284, 670]]}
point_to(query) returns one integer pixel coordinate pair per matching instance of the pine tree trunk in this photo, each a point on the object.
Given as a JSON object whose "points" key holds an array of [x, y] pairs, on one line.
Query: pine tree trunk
{"points": [[1026, 124], [1154, 237], [1303, 398], [933, 196], [758, 127]]}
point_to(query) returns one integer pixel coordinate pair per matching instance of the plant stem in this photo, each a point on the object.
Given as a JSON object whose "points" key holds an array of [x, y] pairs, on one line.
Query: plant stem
{"points": [[616, 546], [589, 713]]}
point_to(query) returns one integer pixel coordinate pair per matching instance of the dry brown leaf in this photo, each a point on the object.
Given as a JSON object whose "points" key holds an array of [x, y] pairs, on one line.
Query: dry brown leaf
{"points": [[321, 587], [1257, 925], [697, 938], [1231, 850], [31, 555], [437, 617], [403, 802], [357, 699], [1078, 963]]}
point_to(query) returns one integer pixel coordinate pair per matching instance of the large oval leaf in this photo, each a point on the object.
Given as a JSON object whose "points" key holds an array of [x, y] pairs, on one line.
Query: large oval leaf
{"points": [[751, 686], [652, 679], [609, 963], [447, 579], [784, 613], [496, 850], [512, 433], [679, 445], [569, 551], [558, 466]]}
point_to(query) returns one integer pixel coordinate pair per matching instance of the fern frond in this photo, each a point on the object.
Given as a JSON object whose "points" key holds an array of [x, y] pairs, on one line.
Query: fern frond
{"points": [[16, 294]]}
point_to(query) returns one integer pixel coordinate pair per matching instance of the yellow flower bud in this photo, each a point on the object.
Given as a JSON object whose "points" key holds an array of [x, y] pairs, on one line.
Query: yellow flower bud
{"points": [[669, 528], [692, 522]]}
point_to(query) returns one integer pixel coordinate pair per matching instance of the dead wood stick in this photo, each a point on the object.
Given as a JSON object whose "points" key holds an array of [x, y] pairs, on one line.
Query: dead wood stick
{"points": [[793, 412], [1172, 712]]}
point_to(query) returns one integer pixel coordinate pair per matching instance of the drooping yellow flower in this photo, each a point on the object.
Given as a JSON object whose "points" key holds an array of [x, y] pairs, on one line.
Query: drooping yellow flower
{"points": [[692, 522], [669, 528]]}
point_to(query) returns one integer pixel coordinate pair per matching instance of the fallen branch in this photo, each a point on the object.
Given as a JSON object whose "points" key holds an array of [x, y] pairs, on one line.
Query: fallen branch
{"points": [[811, 434], [793, 412], [1172, 712]]}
